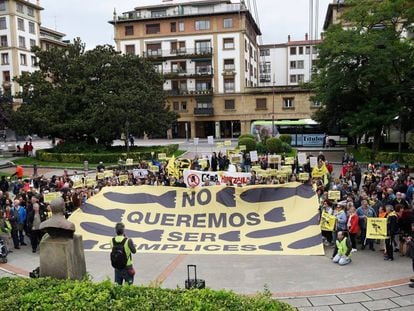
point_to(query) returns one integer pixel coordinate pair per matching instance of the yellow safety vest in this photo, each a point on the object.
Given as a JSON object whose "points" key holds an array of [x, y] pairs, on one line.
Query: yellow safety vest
{"points": [[7, 226], [119, 239], [342, 247]]}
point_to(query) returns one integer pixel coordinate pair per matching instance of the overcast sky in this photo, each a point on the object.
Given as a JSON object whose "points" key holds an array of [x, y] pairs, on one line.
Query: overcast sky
{"points": [[88, 19]]}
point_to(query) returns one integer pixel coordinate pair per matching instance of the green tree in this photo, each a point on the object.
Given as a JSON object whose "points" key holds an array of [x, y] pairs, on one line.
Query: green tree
{"points": [[88, 95], [364, 76]]}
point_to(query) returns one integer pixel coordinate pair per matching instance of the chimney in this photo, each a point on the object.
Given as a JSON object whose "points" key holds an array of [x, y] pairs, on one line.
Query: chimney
{"points": [[306, 36], [288, 38]]}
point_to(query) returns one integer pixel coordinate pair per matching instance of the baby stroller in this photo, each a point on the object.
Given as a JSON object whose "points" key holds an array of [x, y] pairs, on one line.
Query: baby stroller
{"points": [[3, 251]]}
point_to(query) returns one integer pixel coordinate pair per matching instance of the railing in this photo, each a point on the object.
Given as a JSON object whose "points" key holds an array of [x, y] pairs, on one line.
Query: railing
{"points": [[179, 92], [203, 111], [182, 11], [179, 52], [198, 71]]}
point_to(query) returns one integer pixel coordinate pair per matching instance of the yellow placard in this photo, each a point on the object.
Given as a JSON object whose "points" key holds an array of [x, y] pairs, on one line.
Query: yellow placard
{"points": [[123, 178], [219, 145], [78, 184], [377, 228], [303, 176], [334, 195], [274, 159], [154, 168], [235, 158], [49, 197], [289, 161], [242, 148], [100, 176], [109, 174], [129, 162], [227, 143], [90, 182], [286, 168], [251, 220], [328, 222], [162, 156]]}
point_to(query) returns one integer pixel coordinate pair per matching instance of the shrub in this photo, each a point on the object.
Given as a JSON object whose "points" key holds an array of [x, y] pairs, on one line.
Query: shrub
{"points": [[287, 148], [411, 141], [386, 157], [366, 153], [249, 143], [247, 136], [408, 158], [274, 145], [261, 148], [51, 294], [286, 138]]}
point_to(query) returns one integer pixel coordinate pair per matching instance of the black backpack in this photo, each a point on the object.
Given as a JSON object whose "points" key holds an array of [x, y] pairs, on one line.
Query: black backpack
{"points": [[118, 255]]}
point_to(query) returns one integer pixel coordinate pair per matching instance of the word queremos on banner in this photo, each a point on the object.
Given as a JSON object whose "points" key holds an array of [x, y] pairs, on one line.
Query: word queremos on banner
{"points": [[252, 220]]}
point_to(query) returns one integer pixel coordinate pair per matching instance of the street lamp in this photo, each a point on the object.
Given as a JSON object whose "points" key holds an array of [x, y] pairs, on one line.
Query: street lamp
{"points": [[273, 107]]}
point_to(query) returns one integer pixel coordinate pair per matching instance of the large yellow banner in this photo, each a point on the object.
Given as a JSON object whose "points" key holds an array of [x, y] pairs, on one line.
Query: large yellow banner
{"points": [[377, 228], [265, 220]]}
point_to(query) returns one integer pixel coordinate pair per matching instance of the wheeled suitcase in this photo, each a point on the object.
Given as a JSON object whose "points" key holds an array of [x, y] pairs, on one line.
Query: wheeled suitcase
{"points": [[194, 283]]}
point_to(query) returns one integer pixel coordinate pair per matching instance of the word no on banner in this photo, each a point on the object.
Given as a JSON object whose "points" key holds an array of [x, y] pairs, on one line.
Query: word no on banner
{"points": [[253, 220]]}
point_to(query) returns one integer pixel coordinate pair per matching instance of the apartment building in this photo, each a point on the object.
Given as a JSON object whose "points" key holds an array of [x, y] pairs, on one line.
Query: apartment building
{"points": [[20, 30], [208, 52], [288, 63]]}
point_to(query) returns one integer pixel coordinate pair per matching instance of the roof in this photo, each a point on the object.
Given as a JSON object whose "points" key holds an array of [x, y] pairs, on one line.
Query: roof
{"points": [[32, 5], [173, 4], [57, 33], [273, 46], [304, 42]]}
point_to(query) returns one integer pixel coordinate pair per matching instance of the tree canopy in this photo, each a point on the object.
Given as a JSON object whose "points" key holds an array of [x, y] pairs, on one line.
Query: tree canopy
{"points": [[364, 77], [96, 94]]}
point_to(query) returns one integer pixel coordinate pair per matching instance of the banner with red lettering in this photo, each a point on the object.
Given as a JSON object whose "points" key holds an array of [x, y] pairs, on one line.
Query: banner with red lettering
{"points": [[198, 178]]}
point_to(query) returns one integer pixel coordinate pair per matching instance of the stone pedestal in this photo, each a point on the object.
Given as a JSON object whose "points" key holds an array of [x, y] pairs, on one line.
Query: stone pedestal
{"points": [[62, 258]]}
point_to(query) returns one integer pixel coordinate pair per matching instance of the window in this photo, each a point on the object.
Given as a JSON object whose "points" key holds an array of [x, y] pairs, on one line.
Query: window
{"points": [[177, 47], [228, 43], [153, 29], [23, 59], [32, 43], [229, 85], [30, 11], [301, 50], [228, 23], [265, 67], [314, 50], [202, 25], [158, 68], [265, 52], [293, 50], [3, 23], [20, 24], [179, 67], [2, 5], [32, 27], [183, 106], [293, 79], [316, 104], [173, 27], [6, 76], [288, 103], [307, 50], [3, 41], [261, 103], [245, 45], [229, 65], [19, 8], [22, 42], [129, 30], [250, 51], [130, 49], [5, 58], [293, 64], [314, 62], [251, 69], [176, 106], [158, 13], [204, 105], [229, 104], [246, 65], [301, 78], [181, 26], [34, 63], [203, 85], [300, 64], [203, 47], [154, 49]]}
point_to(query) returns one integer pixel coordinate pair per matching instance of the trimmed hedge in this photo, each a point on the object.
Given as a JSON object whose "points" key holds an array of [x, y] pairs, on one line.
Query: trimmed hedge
{"points": [[274, 145], [50, 294], [286, 138], [249, 143], [247, 136], [49, 155]]}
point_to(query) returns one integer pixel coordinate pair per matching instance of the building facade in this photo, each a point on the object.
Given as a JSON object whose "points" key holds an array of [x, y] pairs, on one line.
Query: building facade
{"points": [[20, 30], [209, 56], [289, 63]]}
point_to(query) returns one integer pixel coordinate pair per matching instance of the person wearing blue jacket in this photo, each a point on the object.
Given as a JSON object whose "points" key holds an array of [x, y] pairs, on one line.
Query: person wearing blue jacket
{"points": [[21, 224], [364, 212]]}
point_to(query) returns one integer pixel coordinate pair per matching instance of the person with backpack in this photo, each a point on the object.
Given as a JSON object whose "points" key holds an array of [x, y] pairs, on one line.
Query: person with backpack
{"points": [[121, 256]]}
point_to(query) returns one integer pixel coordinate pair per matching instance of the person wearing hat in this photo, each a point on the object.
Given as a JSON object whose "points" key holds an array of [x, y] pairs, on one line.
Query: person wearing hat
{"points": [[121, 256]]}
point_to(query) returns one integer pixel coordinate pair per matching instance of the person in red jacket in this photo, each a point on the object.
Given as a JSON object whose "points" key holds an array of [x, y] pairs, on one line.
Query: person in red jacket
{"points": [[353, 225]]}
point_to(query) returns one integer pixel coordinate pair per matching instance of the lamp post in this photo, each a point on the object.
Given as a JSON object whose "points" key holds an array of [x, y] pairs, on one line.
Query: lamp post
{"points": [[273, 106], [127, 135]]}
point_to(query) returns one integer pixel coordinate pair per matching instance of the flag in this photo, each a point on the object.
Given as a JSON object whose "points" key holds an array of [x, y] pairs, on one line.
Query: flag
{"points": [[172, 168]]}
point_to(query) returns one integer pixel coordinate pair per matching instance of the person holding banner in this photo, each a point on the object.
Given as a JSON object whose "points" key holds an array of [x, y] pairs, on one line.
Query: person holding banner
{"points": [[342, 252], [365, 211], [391, 232]]}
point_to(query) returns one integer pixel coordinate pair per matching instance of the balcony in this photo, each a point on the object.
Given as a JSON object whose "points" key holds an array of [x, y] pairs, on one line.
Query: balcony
{"points": [[183, 10], [201, 71], [229, 71], [179, 53], [205, 112], [197, 93]]}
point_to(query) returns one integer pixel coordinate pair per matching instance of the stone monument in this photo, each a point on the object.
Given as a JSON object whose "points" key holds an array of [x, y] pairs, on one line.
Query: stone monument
{"points": [[61, 251]]}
